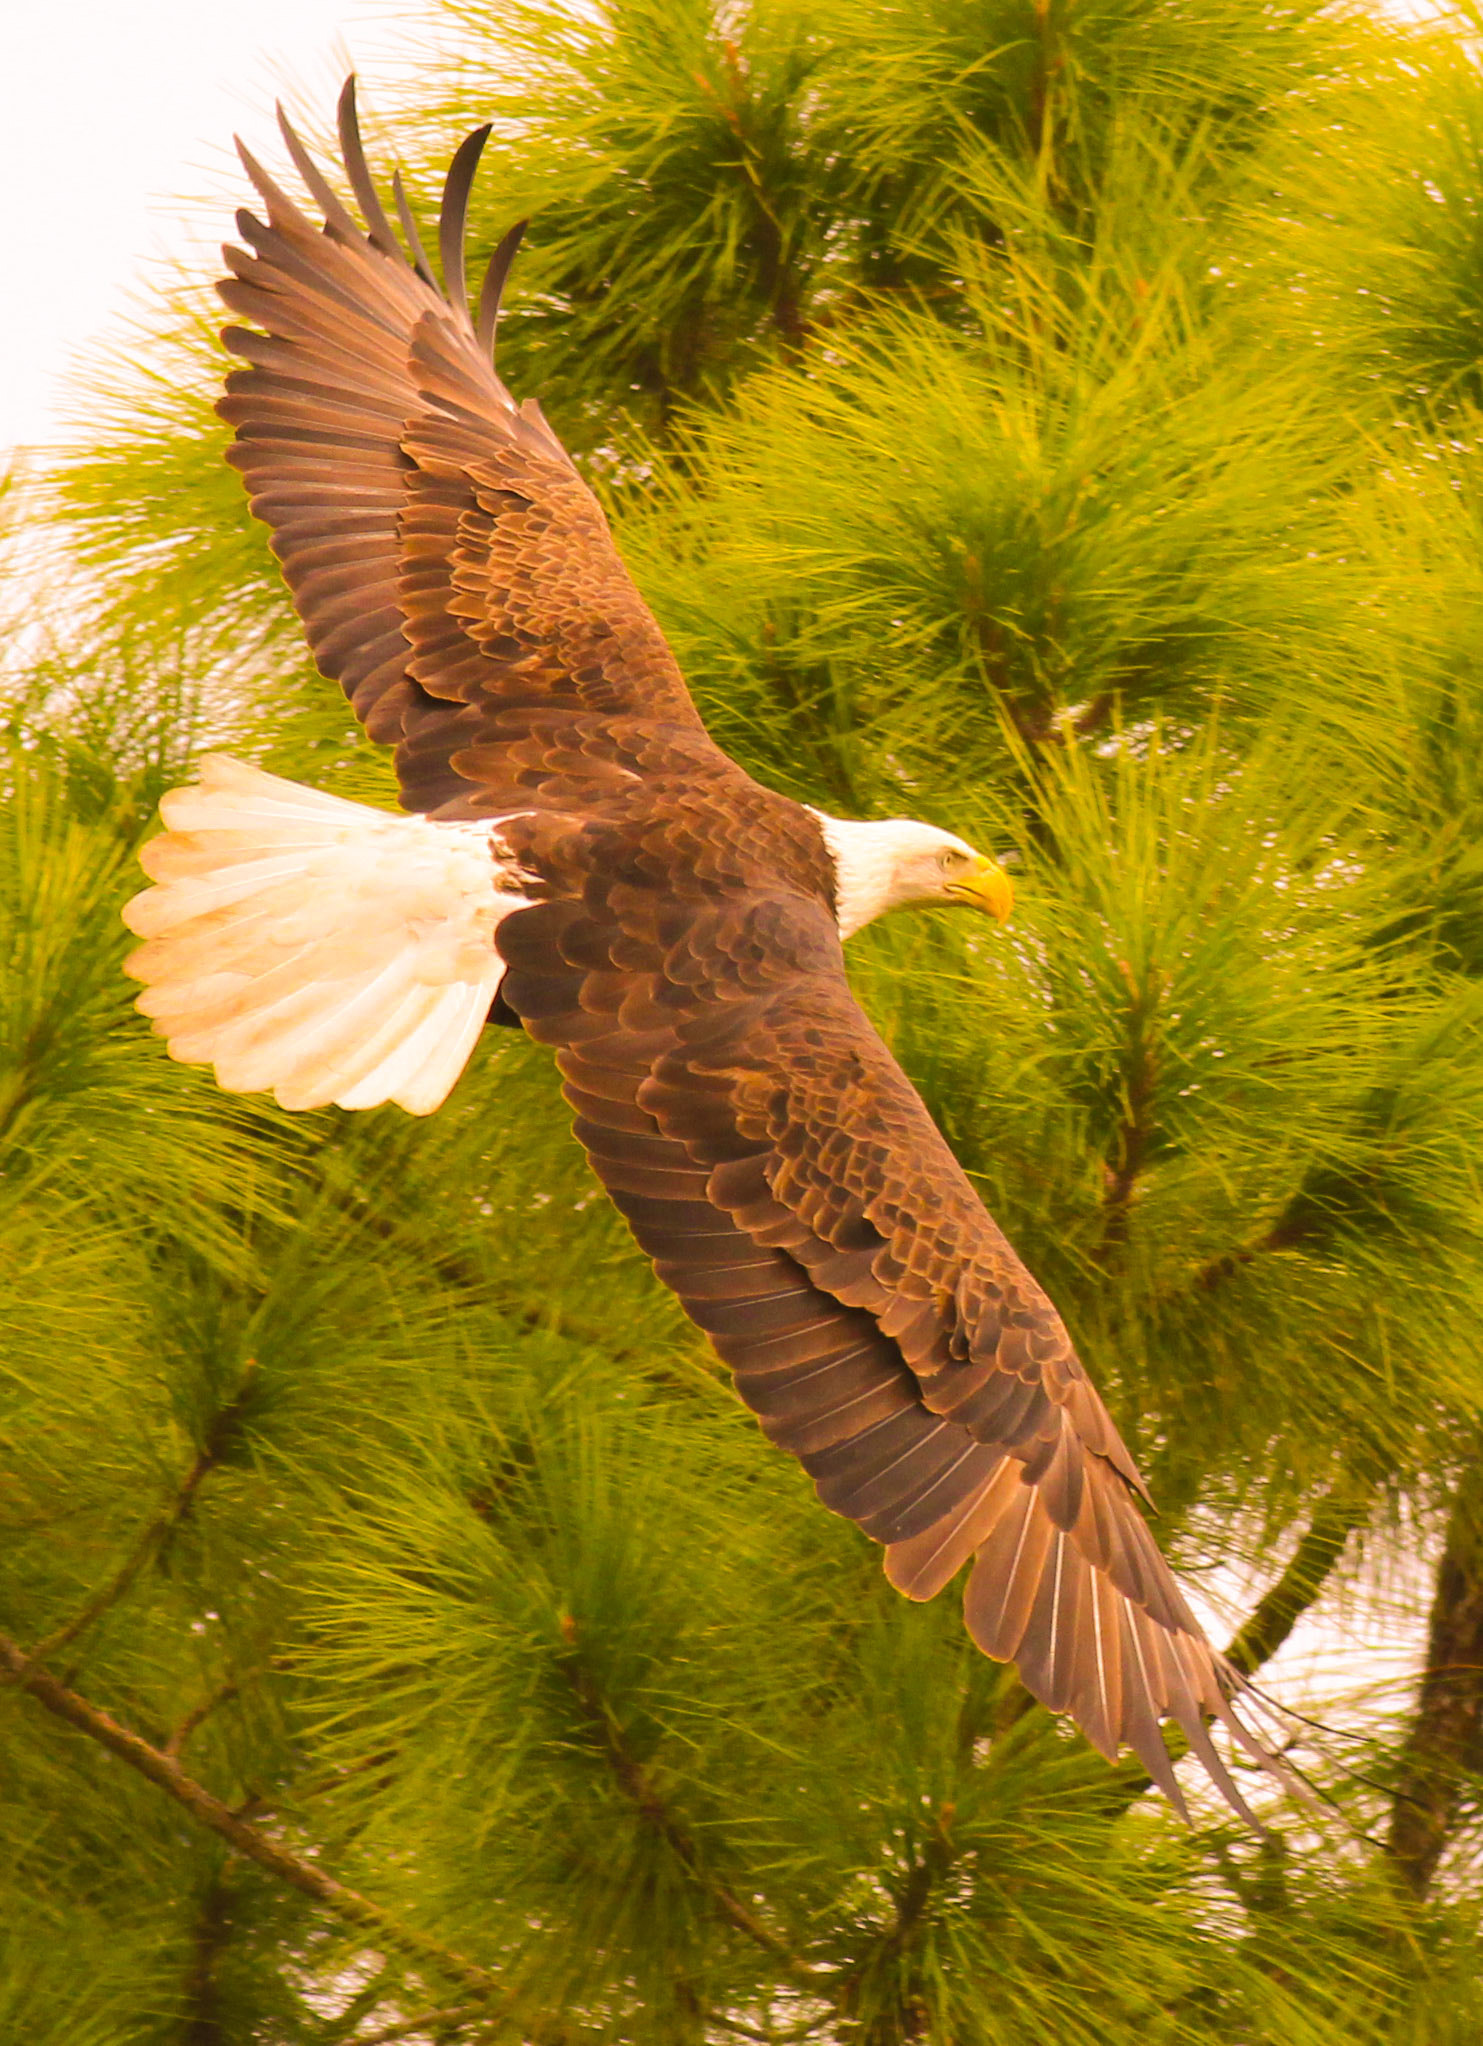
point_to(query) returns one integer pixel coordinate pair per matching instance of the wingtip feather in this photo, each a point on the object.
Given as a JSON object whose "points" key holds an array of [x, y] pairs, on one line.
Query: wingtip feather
{"points": [[492, 290], [453, 215], [337, 220], [353, 156]]}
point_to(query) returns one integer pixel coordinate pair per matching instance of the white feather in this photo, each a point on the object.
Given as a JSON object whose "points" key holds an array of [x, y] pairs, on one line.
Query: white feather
{"points": [[315, 948]]}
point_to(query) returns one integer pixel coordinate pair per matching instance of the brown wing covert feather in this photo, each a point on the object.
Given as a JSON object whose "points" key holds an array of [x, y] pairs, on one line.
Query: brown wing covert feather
{"points": [[452, 571], [790, 1187]]}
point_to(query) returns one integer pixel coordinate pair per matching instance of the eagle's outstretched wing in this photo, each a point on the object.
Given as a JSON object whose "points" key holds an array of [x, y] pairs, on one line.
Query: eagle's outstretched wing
{"points": [[667, 925], [788, 1183], [453, 572]]}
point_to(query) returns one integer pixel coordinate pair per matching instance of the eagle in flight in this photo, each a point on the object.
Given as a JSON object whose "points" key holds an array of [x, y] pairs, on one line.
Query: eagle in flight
{"points": [[585, 862]]}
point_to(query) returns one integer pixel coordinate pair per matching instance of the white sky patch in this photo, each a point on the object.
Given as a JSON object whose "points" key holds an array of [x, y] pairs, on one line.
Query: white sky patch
{"points": [[116, 128]]}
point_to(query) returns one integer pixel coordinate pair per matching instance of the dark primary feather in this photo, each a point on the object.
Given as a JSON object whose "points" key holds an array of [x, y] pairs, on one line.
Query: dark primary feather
{"points": [[378, 227], [408, 219], [457, 578], [453, 217], [493, 288]]}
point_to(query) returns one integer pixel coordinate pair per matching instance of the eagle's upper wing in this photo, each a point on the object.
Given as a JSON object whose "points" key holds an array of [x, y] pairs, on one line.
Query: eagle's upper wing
{"points": [[790, 1186], [451, 569]]}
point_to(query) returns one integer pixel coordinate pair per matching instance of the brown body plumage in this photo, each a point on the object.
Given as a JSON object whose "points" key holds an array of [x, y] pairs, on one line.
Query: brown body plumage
{"points": [[678, 943]]}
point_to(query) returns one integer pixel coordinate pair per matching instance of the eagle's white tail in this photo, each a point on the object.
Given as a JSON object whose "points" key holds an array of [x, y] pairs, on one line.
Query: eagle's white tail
{"points": [[316, 948]]}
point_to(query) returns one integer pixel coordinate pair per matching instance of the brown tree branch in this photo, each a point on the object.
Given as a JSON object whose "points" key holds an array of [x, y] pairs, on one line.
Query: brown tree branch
{"points": [[1096, 714], [992, 1697], [209, 1811], [140, 1556], [203, 2024], [197, 1716], [1285, 1234], [930, 1869], [1444, 1745]]}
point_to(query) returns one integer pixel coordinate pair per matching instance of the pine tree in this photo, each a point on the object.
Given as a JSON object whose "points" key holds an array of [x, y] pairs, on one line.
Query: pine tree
{"points": [[1056, 421]]}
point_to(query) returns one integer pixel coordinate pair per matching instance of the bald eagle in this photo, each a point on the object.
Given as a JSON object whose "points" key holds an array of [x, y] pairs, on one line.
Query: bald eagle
{"points": [[585, 862]]}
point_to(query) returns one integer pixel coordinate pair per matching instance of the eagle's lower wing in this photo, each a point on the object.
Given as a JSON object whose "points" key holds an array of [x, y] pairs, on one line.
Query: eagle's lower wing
{"points": [[451, 569], [790, 1186]]}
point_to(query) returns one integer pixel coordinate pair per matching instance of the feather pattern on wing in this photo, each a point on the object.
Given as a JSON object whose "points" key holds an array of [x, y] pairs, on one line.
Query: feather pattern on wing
{"points": [[452, 571]]}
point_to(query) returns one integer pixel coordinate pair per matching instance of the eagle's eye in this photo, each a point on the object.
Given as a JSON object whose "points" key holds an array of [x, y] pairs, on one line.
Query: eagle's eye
{"points": [[950, 859]]}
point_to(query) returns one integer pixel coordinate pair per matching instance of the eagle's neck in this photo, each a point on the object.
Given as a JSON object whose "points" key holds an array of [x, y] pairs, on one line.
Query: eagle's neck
{"points": [[867, 867]]}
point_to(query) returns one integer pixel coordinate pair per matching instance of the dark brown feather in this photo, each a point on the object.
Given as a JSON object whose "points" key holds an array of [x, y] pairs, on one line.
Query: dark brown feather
{"points": [[362, 184], [408, 219], [453, 219], [371, 395], [336, 219], [493, 288]]}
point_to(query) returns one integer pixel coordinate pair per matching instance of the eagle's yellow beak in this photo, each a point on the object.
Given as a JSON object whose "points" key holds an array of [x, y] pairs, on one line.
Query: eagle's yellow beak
{"points": [[985, 886]]}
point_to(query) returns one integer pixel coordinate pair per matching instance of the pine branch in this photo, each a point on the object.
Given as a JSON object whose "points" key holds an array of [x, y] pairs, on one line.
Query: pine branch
{"points": [[1264, 1888], [928, 1873], [639, 1786], [162, 1770], [462, 1275], [1444, 1745], [212, 1930], [158, 1530], [107, 1595], [1285, 1234], [408, 2028], [1343, 1508], [1136, 1132], [991, 1693], [198, 1714]]}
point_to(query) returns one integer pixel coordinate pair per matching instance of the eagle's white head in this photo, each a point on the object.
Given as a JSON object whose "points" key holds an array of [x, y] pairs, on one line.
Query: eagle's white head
{"points": [[887, 865]]}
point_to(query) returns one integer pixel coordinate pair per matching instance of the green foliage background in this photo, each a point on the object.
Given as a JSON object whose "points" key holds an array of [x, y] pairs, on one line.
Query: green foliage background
{"points": [[1055, 420]]}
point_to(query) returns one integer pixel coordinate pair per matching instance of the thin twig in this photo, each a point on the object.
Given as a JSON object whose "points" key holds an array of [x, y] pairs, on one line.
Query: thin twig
{"points": [[197, 1714], [407, 2028], [143, 1552], [162, 1770], [158, 1530], [1288, 1233], [323, 1786], [639, 1786]]}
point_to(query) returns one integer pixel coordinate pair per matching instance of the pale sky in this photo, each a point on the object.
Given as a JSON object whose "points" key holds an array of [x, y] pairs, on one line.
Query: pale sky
{"points": [[116, 118]]}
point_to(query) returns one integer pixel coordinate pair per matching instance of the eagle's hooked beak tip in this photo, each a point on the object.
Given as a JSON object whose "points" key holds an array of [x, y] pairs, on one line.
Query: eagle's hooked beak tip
{"points": [[987, 887]]}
